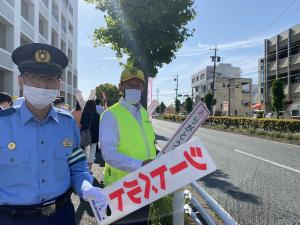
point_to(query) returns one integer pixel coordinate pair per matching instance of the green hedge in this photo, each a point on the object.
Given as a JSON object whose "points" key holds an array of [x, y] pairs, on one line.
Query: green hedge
{"points": [[226, 122], [280, 125]]}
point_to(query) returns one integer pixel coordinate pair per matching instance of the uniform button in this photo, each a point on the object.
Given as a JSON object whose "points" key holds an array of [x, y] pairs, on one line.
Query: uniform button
{"points": [[12, 160], [41, 125], [43, 161], [43, 180], [42, 142]]}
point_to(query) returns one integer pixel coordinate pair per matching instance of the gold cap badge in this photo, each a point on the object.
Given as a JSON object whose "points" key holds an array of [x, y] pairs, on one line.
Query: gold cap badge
{"points": [[42, 56], [11, 146], [67, 142]]}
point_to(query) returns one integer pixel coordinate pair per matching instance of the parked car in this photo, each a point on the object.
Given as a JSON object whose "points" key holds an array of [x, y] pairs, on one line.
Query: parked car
{"points": [[270, 115]]}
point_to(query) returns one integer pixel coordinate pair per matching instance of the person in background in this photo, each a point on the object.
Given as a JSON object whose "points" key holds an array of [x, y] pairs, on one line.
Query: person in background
{"points": [[58, 102], [90, 120], [100, 109], [5, 101], [77, 112]]}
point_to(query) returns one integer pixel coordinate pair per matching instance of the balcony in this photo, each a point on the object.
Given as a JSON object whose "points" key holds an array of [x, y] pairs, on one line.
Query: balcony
{"points": [[7, 11], [295, 58], [273, 65], [283, 62], [27, 29], [43, 9], [63, 86], [5, 61]]}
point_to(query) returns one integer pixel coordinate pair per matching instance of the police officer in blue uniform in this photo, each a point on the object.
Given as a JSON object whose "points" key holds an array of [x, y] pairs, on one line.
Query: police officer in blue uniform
{"points": [[40, 158]]}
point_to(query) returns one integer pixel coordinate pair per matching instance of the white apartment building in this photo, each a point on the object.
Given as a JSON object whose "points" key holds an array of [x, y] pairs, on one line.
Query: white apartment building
{"points": [[202, 80], [45, 21]]}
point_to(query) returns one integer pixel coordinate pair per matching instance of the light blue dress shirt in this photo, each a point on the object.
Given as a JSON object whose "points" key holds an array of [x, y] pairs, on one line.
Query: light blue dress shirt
{"points": [[39, 160]]}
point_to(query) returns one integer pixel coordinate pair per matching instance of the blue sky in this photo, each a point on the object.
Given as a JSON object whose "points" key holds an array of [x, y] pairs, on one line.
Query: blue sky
{"points": [[237, 27]]}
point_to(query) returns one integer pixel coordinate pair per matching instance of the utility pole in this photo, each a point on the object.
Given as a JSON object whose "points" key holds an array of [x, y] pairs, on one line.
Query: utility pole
{"points": [[176, 89], [192, 98], [157, 92], [215, 59]]}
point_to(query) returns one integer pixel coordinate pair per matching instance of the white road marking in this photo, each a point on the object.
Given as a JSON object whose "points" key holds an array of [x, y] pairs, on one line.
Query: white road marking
{"points": [[268, 161]]}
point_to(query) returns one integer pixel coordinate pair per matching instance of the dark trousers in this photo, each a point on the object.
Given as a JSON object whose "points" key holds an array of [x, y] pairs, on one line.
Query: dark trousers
{"points": [[139, 217], [63, 216]]}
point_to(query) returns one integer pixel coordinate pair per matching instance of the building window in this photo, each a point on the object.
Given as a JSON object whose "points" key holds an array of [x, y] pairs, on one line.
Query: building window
{"points": [[27, 11], [197, 78], [70, 28], [11, 2], [55, 10], [63, 77], [63, 24], [246, 88], [295, 113], [202, 76], [24, 40], [70, 56], [63, 46], [245, 103], [71, 9], [2, 35], [43, 26], [69, 77], [46, 3], [6, 35], [295, 47], [54, 38], [75, 81]]}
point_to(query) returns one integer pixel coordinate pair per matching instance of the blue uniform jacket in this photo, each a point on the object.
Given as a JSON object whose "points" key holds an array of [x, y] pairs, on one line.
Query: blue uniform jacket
{"points": [[39, 160]]}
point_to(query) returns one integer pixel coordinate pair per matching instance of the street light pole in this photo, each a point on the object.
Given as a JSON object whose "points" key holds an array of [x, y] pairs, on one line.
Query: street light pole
{"points": [[215, 59]]}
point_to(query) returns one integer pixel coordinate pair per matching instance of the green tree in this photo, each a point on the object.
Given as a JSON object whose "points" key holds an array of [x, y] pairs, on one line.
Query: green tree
{"points": [[188, 104], [162, 107], [277, 91], [148, 32], [208, 99], [111, 92], [177, 106]]}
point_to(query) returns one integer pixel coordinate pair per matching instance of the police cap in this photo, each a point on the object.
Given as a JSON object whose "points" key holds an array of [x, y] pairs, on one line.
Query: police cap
{"points": [[38, 58]]}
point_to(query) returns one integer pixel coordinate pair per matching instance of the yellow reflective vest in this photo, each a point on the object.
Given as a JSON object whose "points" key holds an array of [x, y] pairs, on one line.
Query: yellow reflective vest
{"points": [[135, 140]]}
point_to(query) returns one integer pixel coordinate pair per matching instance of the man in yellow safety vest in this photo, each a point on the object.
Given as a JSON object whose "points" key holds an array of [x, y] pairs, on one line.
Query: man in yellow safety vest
{"points": [[127, 137]]}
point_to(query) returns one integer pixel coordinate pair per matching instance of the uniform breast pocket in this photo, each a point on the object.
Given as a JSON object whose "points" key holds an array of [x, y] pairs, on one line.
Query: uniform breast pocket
{"points": [[62, 169], [14, 167]]}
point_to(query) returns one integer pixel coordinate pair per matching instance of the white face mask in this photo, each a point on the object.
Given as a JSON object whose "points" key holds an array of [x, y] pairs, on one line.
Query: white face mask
{"points": [[39, 97], [133, 96]]}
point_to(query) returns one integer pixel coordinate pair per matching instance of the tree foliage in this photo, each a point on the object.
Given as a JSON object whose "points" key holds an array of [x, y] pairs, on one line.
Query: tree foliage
{"points": [[208, 99], [148, 32], [177, 105], [188, 104], [277, 91], [111, 92]]}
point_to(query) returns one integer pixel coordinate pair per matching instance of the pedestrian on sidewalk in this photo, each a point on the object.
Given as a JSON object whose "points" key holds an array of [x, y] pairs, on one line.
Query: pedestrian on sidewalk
{"points": [[90, 120], [41, 161], [127, 137], [5, 101], [77, 113]]}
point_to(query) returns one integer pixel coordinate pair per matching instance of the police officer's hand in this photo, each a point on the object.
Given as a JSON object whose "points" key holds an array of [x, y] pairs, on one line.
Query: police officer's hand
{"points": [[147, 161], [95, 194]]}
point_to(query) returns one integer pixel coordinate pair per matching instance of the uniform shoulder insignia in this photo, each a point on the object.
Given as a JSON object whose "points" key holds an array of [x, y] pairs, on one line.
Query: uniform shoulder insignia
{"points": [[7, 112]]}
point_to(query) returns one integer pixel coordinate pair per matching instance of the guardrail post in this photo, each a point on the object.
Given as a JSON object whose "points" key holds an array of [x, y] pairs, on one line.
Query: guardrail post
{"points": [[178, 207]]}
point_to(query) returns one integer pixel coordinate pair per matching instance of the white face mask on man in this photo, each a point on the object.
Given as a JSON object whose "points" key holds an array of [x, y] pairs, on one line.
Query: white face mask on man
{"points": [[133, 96], [39, 97]]}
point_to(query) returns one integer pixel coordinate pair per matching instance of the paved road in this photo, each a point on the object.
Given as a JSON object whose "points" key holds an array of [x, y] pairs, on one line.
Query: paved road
{"points": [[257, 181]]}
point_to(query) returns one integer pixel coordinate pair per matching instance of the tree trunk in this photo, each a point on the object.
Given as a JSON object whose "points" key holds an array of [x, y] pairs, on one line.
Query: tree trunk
{"points": [[145, 92]]}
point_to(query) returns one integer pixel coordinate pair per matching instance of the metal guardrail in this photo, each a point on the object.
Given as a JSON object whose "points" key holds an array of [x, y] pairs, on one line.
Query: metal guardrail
{"points": [[180, 208]]}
